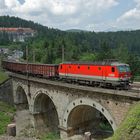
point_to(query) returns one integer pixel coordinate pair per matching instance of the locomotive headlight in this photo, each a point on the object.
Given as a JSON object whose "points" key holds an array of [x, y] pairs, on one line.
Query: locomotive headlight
{"points": [[121, 78], [126, 75]]}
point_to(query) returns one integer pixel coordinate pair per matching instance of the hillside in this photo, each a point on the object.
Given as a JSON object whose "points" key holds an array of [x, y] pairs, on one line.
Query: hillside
{"points": [[6, 116], [130, 128], [15, 22], [47, 46], [76, 30], [7, 21], [3, 76]]}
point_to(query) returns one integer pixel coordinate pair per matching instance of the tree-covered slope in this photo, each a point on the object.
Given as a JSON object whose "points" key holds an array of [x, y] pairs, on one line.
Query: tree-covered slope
{"points": [[130, 128], [16, 22], [49, 44], [7, 21]]}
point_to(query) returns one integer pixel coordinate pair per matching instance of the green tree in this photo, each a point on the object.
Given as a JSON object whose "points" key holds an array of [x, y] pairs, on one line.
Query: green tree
{"points": [[121, 53], [88, 57], [105, 51]]}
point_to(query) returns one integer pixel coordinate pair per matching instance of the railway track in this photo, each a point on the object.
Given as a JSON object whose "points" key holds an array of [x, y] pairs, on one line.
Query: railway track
{"points": [[135, 87], [133, 92], [137, 84]]}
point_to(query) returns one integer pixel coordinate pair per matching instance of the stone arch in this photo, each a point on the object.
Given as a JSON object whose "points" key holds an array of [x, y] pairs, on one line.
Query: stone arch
{"points": [[45, 113], [86, 103], [21, 99]]}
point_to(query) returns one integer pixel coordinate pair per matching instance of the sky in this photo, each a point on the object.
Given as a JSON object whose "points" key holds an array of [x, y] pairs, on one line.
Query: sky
{"points": [[92, 15]]}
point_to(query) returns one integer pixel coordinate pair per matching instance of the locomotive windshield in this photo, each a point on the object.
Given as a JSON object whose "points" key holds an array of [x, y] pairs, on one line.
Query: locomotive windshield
{"points": [[127, 68], [124, 68]]}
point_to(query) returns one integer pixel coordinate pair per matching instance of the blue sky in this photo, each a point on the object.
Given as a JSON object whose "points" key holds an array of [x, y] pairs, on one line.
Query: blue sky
{"points": [[97, 15]]}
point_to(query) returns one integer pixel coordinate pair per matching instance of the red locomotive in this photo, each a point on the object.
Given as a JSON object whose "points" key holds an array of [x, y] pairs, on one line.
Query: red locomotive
{"points": [[99, 73], [106, 73]]}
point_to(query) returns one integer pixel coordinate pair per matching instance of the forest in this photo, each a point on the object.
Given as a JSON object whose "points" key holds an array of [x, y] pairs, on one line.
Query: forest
{"points": [[55, 46]]}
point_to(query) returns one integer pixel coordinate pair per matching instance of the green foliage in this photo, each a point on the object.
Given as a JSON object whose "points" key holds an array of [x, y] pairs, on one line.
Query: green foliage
{"points": [[88, 57], [105, 126], [58, 61], [130, 128], [50, 136], [6, 115], [105, 51], [4, 120], [137, 78], [3, 76], [4, 38], [14, 46], [121, 53]]}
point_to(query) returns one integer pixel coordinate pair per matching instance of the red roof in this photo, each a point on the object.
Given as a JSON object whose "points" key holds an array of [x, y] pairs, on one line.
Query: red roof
{"points": [[16, 29]]}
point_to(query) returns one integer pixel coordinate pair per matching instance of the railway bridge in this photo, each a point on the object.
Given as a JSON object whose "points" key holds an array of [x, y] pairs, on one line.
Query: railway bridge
{"points": [[66, 108]]}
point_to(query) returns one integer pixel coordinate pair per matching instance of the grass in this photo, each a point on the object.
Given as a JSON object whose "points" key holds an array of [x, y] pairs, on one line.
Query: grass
{"points": [[6, 115], [3, 76], [137, 78], [130, 128], [50, 136]]}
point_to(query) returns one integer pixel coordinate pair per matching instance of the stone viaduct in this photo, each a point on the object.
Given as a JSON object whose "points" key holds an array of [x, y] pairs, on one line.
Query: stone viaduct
{"points": [[67, 108]]}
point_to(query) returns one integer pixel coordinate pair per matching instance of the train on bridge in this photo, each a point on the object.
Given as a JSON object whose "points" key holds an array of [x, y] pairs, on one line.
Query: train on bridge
{"points": [[103, 74]]}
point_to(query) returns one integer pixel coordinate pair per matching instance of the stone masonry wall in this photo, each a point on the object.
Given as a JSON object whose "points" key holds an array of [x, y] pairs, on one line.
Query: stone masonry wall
{"points": [[63, 97], [6, 92]]}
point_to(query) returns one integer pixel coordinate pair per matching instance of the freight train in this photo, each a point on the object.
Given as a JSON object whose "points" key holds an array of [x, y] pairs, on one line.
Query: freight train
{"points": [[106, 73]]}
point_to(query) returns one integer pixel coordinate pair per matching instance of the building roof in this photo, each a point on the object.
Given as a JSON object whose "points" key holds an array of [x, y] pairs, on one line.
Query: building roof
{"points": [[25, 30]]}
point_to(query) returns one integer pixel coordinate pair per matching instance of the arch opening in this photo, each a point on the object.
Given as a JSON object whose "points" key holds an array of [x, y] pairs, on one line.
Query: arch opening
{"points": [[85, 118], [45, 114], [21, 99]]}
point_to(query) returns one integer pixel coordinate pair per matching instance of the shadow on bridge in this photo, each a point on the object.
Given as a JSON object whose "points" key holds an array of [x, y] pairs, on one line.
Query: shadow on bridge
{"points": [[84, 118], [21, 99], [46, 117]]}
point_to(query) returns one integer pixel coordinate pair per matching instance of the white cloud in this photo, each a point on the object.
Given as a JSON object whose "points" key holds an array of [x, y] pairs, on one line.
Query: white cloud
{"points": [[57, 13], [131, 18], [12, 3], [60, 8], [64, 7], [133, 14]]}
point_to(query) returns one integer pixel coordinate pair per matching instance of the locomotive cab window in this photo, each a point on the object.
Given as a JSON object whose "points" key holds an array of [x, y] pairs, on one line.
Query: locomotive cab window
{"points": [[99, 68], [113, 69], [88, 67], [78, 67], [61, 67]]}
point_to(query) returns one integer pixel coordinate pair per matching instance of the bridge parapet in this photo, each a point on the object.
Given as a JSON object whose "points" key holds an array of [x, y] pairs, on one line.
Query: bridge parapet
{"points": [[127, 93]]}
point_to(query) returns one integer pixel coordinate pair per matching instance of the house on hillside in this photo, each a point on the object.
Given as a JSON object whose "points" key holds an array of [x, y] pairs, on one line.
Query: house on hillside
{"points": [[18, 34], [15, 55], [4, 50]]}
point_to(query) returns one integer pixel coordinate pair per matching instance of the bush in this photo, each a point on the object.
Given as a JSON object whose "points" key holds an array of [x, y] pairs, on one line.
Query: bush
{"points": [[6, 115], [3, 76], [130, 128], [50, 136]]}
